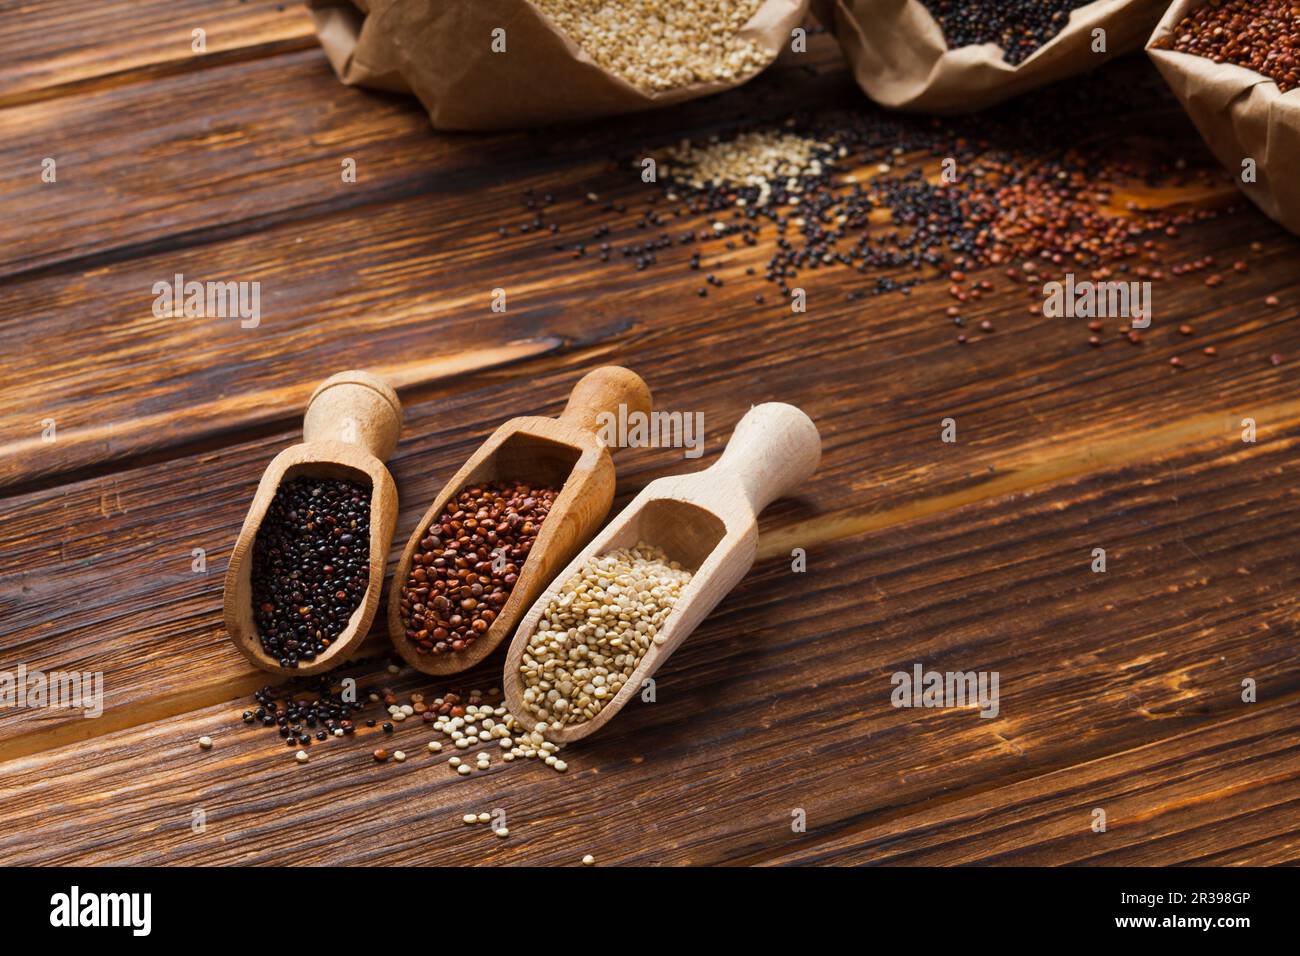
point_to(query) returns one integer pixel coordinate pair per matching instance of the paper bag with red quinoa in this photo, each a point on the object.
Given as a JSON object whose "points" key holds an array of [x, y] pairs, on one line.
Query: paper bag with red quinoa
{"points": [[1250, 125]]}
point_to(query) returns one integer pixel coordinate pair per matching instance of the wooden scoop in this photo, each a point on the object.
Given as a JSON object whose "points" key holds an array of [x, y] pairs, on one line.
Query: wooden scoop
{"points": [[351, 427], [706, 522], [562, 453]]}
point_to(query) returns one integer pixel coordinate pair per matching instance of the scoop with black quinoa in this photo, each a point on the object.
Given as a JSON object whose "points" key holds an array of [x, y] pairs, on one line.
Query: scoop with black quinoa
{"points": [[311, 566]]}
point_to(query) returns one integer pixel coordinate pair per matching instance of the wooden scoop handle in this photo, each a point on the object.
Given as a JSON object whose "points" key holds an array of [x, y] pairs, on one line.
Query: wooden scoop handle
{"points": [[774, 449], [356, 408], [600, 393]]}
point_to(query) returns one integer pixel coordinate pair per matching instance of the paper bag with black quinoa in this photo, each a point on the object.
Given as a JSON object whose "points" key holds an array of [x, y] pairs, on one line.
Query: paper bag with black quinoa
{"points": [[493, 64], [1249, 119], [959, 56]]}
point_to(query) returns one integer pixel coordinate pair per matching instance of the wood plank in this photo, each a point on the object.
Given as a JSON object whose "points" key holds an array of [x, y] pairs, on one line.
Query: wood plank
{"points": [[191, 158], [1224, 795], [60, 47], [195, 156], [781, 700], [85, 349], [878, 407], [119, 526], [378, 283], [329, 306]]}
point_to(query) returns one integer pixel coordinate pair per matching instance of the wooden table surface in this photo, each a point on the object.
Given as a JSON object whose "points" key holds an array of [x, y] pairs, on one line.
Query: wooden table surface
{"points": [[1119, 690]]}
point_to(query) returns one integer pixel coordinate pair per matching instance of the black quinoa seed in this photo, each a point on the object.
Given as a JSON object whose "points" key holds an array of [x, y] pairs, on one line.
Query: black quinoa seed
{"points": [[311, 566], [1018, 26]]}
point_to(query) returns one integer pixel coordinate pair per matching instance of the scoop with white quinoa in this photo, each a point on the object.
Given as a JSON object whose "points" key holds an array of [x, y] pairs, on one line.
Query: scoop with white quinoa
{"points": [[595, 630]]}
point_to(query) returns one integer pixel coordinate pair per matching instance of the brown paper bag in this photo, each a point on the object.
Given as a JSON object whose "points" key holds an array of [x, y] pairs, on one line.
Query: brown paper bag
{"points": [[441, 51], [357, 51], [1242, 115], [900, 59]]}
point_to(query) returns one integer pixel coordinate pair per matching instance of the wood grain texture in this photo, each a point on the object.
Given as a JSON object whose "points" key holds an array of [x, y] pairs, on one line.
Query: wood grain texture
{"points": [[1121, 687], [364, 285], [1224, 795], [321, 319], [65, 47], [875, 409], [266, 204], [1091, 665]]}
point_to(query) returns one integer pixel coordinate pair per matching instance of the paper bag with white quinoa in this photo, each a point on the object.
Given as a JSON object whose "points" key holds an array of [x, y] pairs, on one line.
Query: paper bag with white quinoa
{"points": [[359, 53], [493, 64], [1250, 125], [901, 60]]}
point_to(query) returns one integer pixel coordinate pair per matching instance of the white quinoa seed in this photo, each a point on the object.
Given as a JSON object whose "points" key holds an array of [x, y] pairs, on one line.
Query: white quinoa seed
{"points": [[301, 756], [759, 159], [662, 44], [591, 636], [588, 860], [205, 743]]}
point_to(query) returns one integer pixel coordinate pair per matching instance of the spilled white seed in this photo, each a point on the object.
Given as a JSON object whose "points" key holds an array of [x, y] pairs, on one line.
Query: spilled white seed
{"points": [[434, 746], [502, 832], [338, 731], [469, 818], [484, 818], [205, 743], [301, 756], [454, 761], [588, 860], [560, 765], [463, 770], [399, 755]]}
